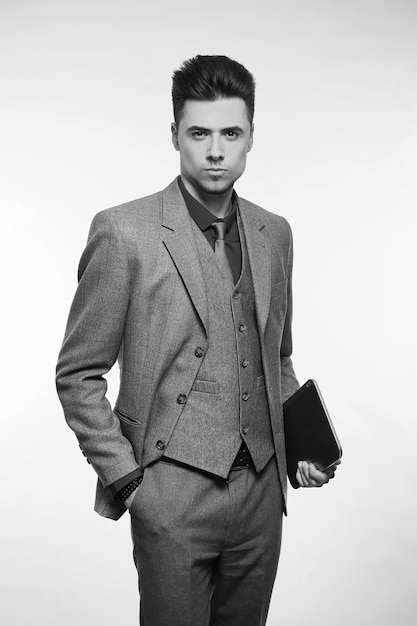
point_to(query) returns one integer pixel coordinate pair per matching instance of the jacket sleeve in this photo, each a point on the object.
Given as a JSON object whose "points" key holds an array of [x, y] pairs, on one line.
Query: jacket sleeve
{"points": [[289, 382], [92, 342]]}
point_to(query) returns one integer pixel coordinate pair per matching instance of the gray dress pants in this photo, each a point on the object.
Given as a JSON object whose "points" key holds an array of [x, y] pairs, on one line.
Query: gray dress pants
{"points": [[206, 549]]}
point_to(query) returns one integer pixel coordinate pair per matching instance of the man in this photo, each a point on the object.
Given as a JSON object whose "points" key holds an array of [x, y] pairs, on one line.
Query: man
{"points": [[190, 288]]}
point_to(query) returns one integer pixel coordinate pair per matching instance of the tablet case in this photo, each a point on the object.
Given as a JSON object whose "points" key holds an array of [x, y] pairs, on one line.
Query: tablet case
{"points": [[309, 432]]}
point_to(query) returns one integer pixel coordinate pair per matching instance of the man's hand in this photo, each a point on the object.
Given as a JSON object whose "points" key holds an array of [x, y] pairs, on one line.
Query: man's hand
{"points": [[309, 476]]}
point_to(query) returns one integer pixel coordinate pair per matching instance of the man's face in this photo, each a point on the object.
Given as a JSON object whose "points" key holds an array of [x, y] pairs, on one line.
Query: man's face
{"points": [[213, 139]]}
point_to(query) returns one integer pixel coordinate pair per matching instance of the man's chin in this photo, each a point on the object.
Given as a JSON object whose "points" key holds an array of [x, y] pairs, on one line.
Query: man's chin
{"points": [[216, 187]]}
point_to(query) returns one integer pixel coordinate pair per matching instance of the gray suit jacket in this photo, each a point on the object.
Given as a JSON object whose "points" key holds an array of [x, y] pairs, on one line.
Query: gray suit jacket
{"points": [[141, 299]]}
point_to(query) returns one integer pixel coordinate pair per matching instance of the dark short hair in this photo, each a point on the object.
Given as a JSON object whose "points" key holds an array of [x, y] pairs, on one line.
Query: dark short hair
{"points": [[212, 78]]}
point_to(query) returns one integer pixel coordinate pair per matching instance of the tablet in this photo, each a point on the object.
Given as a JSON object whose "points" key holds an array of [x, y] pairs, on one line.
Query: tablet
{"points": [[309, 432]]}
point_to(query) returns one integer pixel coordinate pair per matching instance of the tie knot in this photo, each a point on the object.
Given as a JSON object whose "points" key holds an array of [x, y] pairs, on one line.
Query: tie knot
{"points": [[219, 229]]}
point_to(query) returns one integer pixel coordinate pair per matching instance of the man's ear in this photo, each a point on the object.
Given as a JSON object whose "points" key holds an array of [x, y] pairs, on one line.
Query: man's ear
{"points": [[251, 138], [174, 137]]}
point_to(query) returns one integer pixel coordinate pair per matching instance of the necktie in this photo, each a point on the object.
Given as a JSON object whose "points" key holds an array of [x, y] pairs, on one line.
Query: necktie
{"points": [[219, 230]]}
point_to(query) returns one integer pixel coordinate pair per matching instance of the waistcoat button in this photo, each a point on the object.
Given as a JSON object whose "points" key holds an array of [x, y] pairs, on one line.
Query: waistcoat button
{"points": [[245, 396], [160, 445], [181, 399], [245, 430], [245, 363], [199, 351], [236, 295], [242, 328]]}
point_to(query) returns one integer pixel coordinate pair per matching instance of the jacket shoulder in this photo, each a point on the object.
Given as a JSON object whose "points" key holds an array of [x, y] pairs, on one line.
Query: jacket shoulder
{"points": [[132, 226], [144, 209], [275, 225]]}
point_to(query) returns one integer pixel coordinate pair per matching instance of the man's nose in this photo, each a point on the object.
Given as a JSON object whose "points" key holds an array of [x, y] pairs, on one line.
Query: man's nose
{"points": [[215, 149]]}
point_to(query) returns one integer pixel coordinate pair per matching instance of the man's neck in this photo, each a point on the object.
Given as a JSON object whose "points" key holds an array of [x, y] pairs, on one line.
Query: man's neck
{"points": [[218, 204]]}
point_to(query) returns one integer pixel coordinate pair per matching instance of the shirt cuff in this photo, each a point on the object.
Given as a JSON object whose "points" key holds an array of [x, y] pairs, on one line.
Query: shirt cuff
{"points": [[122, 482]]}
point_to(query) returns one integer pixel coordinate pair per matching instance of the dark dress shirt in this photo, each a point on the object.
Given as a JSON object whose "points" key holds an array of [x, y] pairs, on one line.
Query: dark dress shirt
{"points": [[204, 219]]}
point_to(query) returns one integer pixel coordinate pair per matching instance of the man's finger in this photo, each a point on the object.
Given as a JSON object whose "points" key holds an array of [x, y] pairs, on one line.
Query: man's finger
{"points": [[317, 477], [301, 477]]}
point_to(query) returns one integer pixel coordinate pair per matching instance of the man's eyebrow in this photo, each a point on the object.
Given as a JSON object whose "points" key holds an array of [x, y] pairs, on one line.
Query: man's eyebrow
{"points": [[191, 129], [236, 129]]}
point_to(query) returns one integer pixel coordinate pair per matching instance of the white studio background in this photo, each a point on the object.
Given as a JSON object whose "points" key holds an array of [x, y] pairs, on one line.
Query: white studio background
{"points": [[85, 116]]}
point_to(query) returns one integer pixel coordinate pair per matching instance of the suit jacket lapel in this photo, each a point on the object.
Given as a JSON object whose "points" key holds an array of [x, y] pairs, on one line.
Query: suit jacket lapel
{"points": [[178, 238], [259, 254]]}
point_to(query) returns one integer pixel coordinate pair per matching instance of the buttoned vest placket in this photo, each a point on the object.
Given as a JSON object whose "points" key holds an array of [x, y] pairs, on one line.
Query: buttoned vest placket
{"points": [[228, 400]]}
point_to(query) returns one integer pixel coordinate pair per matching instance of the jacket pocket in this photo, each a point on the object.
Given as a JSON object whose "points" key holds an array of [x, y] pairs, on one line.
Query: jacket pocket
{"points": [[279, 289], [260, 381], [133, 430], [205, 386], [278, 305], [123, 417]]}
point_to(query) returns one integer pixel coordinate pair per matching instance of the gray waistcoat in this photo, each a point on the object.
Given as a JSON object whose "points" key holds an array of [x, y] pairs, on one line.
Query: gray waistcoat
{"points": [[228, 400]]}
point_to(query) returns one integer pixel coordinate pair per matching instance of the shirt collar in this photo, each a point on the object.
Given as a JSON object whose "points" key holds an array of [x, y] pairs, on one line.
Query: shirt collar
{"points": [[201, 215]]}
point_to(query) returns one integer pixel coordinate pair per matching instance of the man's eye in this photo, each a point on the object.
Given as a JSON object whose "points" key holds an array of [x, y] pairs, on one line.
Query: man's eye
{"points": [[198, 134], [231, 134]]}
